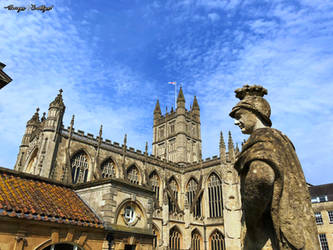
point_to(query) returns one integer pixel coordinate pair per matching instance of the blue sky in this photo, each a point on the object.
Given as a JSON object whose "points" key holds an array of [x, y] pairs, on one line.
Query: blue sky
{"points": [[113, 59]]}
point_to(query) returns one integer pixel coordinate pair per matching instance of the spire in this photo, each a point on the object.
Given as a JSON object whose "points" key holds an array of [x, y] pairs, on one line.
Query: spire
{"points": [[157, 110], [222, 148], [146, 148], [195, 105], [180, 97], [230, 147], [58, 101], [35, 118]]}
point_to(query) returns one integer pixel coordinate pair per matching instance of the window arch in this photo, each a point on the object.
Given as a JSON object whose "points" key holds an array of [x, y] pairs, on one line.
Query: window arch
{"points": [[32, 162], [155, 183], [175, 239], [79, 165], [191, 190], [217, 241], [215, 196], [174, 189], [108, 168], [195, 240], [156, 239], [133, 175]]}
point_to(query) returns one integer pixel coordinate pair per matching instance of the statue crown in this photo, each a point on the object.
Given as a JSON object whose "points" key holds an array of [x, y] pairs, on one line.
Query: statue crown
{"points": [[254, 90]]}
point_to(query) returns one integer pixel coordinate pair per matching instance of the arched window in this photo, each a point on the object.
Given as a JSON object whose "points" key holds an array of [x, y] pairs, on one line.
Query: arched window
{"points": [[108, 169], [155, 183], [215, 196], [174, 188], [175, 238], [157, 236], [32, 163], [192, 187], [79, 164], [195, 240], [217, 241], [133, 175]]}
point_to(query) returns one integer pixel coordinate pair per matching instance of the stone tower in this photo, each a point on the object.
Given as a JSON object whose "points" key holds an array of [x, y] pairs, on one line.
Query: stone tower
{"points": [[40, 141], [177, 135]]}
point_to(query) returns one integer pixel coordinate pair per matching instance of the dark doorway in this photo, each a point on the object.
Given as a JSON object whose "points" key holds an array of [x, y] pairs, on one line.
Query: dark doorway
{"points": [[130, 247]]}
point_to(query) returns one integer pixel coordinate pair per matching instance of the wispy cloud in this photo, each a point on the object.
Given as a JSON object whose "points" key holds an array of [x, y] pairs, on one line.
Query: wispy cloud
{"points": [[113, 68]]}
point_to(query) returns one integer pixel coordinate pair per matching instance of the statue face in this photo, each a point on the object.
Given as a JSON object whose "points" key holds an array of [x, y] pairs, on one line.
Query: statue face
{"points": [[246, 121]]}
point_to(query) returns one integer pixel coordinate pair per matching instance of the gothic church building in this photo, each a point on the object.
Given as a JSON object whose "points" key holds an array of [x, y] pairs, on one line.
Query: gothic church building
{"points": [[185, 201]]}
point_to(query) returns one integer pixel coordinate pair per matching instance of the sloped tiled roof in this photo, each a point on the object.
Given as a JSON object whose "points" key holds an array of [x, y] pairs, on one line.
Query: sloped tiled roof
{"points": [[35, 198]]}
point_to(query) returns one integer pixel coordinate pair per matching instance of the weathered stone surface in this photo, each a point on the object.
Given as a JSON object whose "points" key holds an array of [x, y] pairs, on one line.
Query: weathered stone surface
{"points": [[277, 212]]}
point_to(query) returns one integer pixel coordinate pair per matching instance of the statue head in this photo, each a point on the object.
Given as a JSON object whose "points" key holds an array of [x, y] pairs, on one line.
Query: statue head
{"points": [[253, 111]]}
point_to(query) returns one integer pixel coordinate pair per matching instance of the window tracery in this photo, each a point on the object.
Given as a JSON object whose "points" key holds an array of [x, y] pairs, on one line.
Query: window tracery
{"points": [[174, 239], [155, 182], [79, 165], [133, 175], [192, 187], [215, 196], [108, 169], [174, 188], [195, 240], [217, 241]]}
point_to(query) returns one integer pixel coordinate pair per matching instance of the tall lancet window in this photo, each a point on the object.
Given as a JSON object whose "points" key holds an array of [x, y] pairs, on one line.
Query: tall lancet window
{"points": [[79, 164], [192, 187], [108, 169], [155, 183], [174, 189], [133, 175], [215, 196]]}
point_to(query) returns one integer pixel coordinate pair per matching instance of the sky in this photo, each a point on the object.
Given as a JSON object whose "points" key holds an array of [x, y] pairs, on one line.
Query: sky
{"points": [[114, 59]]}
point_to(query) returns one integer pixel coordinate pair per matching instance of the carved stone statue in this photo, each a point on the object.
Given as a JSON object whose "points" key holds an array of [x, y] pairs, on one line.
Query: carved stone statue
{"points": [[277, 211]]}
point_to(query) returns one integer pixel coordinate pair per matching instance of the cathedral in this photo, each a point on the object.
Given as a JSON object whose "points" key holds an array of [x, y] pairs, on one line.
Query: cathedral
{"points": [[183, 201]]}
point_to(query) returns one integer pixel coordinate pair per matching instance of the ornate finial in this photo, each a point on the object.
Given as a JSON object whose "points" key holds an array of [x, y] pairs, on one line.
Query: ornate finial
{"points": [[166, 109], [100, 131], [58, 102], [72, 121], [254, 90], [125, 139], [146, 149], [37, 109]]}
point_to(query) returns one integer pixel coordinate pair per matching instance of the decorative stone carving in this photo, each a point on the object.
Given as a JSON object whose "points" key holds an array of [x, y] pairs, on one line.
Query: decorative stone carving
{"points": [[277, 212]]}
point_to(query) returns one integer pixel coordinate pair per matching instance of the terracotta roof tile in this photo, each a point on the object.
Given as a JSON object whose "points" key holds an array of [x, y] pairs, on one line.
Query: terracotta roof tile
{"points": [[32, 198]]}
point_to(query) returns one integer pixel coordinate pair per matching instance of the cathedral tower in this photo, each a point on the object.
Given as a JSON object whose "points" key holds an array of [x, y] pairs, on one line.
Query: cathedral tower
{"points": [[177, 135], [40, 141]]}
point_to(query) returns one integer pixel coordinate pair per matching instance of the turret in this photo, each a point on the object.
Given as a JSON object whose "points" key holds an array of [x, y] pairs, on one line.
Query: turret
{"points": [[55, 113], [31, 126]]}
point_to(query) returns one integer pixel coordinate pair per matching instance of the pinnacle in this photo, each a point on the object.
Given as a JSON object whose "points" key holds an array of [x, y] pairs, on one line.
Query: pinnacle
{"points": [[195, 105], [180, 97], [157, 109]]}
